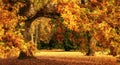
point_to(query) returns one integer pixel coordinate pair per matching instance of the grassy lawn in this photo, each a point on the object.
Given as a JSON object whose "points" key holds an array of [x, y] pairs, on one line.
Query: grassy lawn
{"points": [[60, 57], [62, 53], [77, 57]]}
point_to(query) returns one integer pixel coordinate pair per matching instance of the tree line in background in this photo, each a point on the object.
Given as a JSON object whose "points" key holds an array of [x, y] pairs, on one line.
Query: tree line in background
{"points": [[85, 25]]}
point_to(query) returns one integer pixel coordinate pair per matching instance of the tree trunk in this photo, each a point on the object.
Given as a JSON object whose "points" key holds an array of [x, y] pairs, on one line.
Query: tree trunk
{"points": [[91, 46], [113, 51], [23, 55], [29, 52]]}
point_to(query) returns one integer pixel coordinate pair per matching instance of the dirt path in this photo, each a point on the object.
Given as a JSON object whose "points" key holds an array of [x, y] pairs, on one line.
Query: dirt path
{"points": [[84, 60], [61, 61], [62, 58]]}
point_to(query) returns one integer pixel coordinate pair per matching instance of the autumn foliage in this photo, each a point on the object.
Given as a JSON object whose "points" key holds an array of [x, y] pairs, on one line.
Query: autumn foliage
{"points": [[100, 21], [91, 26], [11, 39]]}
